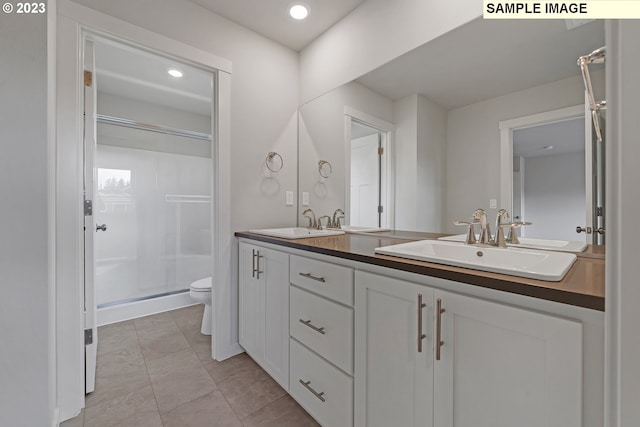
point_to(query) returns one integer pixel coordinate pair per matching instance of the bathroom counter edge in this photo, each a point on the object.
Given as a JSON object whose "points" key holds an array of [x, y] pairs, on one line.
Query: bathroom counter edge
{"points": [[583, 286]]}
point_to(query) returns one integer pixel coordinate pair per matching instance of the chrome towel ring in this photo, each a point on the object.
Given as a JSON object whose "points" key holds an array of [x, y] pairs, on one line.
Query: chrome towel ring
{"points": [[269, 162], [325, 169]]}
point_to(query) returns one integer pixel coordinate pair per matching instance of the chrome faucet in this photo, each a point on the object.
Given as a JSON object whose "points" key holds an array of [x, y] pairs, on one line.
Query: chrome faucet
{"points": [[311, 216], [479, 216], [320, 221], [499, 240], [335, 222], [512, 237]]}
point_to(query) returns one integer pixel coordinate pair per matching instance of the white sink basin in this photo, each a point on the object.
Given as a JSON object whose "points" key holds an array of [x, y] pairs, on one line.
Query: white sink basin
{"points": [[358, 229], [531, 243], [296, 232], [541, 265]]}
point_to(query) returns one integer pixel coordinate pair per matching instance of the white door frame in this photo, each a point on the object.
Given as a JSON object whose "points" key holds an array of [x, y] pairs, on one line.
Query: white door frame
{"points": [[74, 21], [387, 172], [89, 143], [506, 148]]}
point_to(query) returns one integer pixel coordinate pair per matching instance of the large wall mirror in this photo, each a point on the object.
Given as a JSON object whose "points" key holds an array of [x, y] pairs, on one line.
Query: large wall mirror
{"points": [[423, 131]]}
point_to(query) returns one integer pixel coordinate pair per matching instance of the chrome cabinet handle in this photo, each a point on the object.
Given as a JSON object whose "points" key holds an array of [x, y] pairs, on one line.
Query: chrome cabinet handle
{"points": [[307, 385], [255, 260], [102, 227], [439, 342], [258, 271], [253, 263], [421, 336], [315, 328], [311, 276]]}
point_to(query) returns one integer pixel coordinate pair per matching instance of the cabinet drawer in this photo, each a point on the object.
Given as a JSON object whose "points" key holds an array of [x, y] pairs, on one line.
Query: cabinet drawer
{"points": [[332, 281], [324, 326], [327, 392]]}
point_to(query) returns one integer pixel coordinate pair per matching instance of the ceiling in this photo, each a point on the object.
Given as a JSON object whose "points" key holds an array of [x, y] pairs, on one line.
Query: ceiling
{"points": [[271, 17], [565, 137], [133, 73], [485, 59]]}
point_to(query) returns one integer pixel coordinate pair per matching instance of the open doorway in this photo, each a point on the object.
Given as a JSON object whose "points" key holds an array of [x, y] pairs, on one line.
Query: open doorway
{"points": [[548, 178], [148, 184]]}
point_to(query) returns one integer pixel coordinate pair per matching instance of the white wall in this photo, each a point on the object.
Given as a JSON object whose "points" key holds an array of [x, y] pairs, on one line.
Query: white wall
{"points": [[473, 141], [26, 374], [405, 118], [554, 196], [322, 130], [118, 106], [373, 34], [420, 158], [431, 165]]}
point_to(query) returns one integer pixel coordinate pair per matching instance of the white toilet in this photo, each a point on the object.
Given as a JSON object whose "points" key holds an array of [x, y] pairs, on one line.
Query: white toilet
{"points": [[200, 291]]}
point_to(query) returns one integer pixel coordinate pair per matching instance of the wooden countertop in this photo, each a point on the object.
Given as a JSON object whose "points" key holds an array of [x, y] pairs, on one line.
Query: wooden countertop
{"points": [[583, 286]]}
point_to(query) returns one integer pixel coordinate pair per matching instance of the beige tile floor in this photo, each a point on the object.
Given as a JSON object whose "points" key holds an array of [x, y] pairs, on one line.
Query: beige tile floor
{"points": [[157, 371]]}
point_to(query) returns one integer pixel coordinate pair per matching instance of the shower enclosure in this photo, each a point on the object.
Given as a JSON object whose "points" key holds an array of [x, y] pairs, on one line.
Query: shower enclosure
{"points": [[152, 177]]}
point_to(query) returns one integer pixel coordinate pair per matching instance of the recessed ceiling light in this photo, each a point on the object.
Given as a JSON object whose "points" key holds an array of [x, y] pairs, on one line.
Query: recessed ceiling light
{"points": [[175, 73], [299, 11], [548, 147]]}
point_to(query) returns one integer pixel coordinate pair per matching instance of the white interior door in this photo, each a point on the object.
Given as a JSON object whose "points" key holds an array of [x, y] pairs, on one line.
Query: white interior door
{"points": [[365, 181], [90, 303]]}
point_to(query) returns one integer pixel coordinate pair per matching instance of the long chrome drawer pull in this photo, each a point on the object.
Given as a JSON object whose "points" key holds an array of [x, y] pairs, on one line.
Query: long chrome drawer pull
{"points": [[439, 342], [421, 336], [311, 276], [315, 393], [315, 328]]}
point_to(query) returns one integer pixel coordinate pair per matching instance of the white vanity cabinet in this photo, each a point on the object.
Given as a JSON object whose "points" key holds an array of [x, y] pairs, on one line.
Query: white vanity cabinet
{"points": [[393, 376], [321, 328], [497, 365], [264, 308]]}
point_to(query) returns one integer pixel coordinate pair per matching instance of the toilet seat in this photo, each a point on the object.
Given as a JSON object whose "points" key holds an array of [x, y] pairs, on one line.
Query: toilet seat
{"points": [[202, 285]]}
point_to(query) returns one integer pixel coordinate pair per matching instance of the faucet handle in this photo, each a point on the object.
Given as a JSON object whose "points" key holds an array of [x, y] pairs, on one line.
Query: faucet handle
{"points": [[512, 237], [471, 232]]}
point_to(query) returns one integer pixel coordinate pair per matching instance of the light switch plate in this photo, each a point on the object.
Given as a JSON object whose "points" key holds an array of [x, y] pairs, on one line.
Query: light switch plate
{"points": [[289, 196], [493, 203], [305, 198]]}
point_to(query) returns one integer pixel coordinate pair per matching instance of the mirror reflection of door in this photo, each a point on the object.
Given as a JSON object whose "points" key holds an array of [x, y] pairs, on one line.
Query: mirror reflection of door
{"points": [[598, 183], [549, 179], [366, 176]]}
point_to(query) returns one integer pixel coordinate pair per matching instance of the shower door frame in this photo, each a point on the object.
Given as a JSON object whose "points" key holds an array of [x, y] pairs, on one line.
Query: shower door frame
{"points": [[74, 23]]}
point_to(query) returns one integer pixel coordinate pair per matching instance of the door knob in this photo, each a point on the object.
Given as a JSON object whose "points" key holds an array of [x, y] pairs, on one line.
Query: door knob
{"points": [[587, 230], [599, 230], [102, 227]]}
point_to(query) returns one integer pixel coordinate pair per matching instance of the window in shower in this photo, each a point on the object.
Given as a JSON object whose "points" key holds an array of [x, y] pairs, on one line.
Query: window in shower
{"points": [[153, 173]]}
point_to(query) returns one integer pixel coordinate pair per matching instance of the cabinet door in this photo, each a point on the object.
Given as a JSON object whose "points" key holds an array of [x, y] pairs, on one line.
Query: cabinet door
{"points": [[393, 378], [275, 294], [503, 366], [251, 307]]}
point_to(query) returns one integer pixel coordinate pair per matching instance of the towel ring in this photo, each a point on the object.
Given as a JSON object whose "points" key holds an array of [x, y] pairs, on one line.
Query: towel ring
{"points": [[268, 162], [325, 169]]}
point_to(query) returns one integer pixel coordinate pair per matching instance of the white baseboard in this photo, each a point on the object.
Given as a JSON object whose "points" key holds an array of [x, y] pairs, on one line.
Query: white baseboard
{"points": [[133, 310]]}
